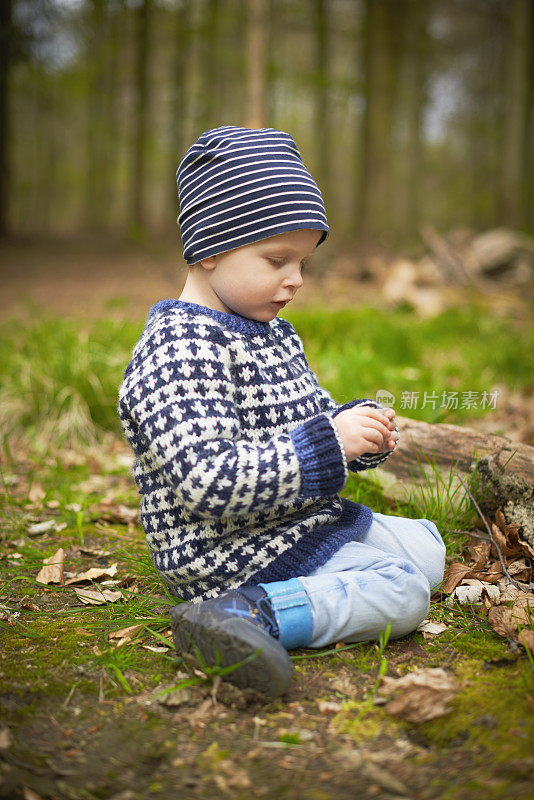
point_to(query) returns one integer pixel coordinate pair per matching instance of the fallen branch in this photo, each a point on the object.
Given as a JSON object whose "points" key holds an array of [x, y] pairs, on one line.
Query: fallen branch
{"points": [[503, 469]]}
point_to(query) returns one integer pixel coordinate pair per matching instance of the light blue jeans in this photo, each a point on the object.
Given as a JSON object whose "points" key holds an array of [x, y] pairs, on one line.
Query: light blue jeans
{"points": [[386, 576]]}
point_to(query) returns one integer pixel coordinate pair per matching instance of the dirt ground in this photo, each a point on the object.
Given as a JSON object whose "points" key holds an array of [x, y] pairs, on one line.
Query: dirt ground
{"points": [[70, 731], [74, 277]]}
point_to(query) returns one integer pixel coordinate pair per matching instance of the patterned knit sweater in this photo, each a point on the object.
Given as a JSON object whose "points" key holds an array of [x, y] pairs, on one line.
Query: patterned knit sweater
{"points": [[237, 459]]}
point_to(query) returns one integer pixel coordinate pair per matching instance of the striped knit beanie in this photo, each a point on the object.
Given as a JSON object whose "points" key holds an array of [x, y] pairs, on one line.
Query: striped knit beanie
{"points": [[239, 185]]}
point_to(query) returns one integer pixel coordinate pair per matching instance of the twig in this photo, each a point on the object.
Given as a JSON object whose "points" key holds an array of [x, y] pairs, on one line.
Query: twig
{"points": [[498, 549], [476, 535]]}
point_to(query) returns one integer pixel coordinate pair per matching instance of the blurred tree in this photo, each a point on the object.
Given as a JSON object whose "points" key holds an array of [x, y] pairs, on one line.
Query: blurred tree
{"points": [[181, 34], [255, 110], [381, 57], [101, 96], [96, 97], [212, 65], [6, 34], [410, 104], [143, 26], [519, 66], [321, 107]]}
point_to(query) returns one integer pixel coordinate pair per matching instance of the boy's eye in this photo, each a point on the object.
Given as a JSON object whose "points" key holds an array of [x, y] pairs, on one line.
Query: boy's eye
{"points": [[278, 261]]}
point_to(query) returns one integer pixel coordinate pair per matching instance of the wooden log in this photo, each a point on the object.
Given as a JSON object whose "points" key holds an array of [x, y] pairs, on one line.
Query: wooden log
{"points": [[504, 468], [449, 262]]}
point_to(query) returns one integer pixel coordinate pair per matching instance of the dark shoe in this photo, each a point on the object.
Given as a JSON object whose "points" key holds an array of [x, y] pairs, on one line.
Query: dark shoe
{"points": [[237, 626]]}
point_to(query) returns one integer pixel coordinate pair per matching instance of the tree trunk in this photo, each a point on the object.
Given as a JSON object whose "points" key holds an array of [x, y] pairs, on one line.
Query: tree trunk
{"points": [[5, 63], [113, 122], [255, 67], [514, 150], [322, 117], [212, 68], [505, 469], [143, 19], [178, 99], [95, 200], [412, 97], [380, 78]]}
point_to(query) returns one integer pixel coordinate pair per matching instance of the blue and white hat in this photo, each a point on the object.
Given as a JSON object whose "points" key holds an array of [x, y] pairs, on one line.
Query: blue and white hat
{"points": [[239, 185]]}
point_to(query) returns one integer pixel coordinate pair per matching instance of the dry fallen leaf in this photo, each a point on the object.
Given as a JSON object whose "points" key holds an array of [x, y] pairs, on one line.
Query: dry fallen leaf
{"points": [[41, 527], [432, 628], [117, 512], [526, 638], [500, 540], [124, 635], [176, 698], [36, 494], [420, 695], [509, 592], [97, 597], [479, 552], [52, 569], [29, 794], [500, 619], [454, 575], [328, 707], [470, 591], [519, 569], [6, 740], [93, 574], [523, 609]]}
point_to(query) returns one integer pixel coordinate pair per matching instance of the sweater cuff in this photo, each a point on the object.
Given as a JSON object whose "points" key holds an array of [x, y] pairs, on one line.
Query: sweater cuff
{"points": [[352, 403], [323, 465], [367, 460]]}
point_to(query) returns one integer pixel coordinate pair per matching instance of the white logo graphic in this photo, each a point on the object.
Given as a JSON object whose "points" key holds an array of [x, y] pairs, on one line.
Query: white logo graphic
{"points": [[385, 397]]}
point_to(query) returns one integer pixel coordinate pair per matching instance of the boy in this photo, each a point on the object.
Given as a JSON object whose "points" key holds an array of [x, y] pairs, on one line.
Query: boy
{"points": [[240, 454]]}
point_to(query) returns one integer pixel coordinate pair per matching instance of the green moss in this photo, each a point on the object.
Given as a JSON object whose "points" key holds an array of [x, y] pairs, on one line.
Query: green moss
{"points": [[364, 726], [491, 713]]}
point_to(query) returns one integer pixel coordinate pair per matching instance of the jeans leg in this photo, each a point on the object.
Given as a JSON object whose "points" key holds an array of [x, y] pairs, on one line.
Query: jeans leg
{"points": [[417, 540], [384, 577], [359, 590]]}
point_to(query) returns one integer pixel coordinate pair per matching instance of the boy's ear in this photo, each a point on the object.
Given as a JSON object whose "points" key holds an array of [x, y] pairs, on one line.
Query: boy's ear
{"points": [[209, 263]]}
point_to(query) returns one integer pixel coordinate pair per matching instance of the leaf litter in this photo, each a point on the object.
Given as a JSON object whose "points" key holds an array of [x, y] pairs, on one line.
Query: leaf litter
{"points": [[496, 573], [420, 695], [98, 597], [52, 569]]}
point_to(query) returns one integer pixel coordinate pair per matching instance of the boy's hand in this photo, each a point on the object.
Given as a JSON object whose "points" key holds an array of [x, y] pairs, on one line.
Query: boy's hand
{"points": [[363, 429]]}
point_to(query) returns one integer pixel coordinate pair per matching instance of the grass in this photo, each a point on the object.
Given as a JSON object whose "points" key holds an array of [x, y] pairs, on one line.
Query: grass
{"points": [[60, 377], [356, 352]]}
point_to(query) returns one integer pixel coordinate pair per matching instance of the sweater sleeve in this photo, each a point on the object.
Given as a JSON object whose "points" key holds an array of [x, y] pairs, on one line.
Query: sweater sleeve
{"points": [[329, 407], [177, 407]]}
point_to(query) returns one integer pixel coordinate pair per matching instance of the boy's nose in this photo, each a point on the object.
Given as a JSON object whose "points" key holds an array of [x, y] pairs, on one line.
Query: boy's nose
{"points": [[294, 278]]}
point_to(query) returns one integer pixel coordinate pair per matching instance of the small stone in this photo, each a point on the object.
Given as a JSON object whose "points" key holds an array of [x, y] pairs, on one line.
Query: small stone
{"points": [[6, 740]]}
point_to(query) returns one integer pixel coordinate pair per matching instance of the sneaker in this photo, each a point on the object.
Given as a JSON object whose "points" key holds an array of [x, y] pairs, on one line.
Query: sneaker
{"points": [[237, 626]]}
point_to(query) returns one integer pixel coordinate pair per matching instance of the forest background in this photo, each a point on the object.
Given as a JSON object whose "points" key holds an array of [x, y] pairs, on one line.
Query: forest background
{"points": [[407, 112]]}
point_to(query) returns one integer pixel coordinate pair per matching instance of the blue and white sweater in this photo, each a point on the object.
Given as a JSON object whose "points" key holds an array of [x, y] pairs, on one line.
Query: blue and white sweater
{"points": [[237, 459]]}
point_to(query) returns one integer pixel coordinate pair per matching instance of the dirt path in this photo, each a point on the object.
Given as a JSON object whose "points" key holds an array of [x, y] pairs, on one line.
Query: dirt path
{"points": [[92, 278]]}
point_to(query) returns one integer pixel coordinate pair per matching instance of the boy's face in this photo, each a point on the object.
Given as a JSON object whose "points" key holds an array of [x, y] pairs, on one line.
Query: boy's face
{"points": [[258, 279]]}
